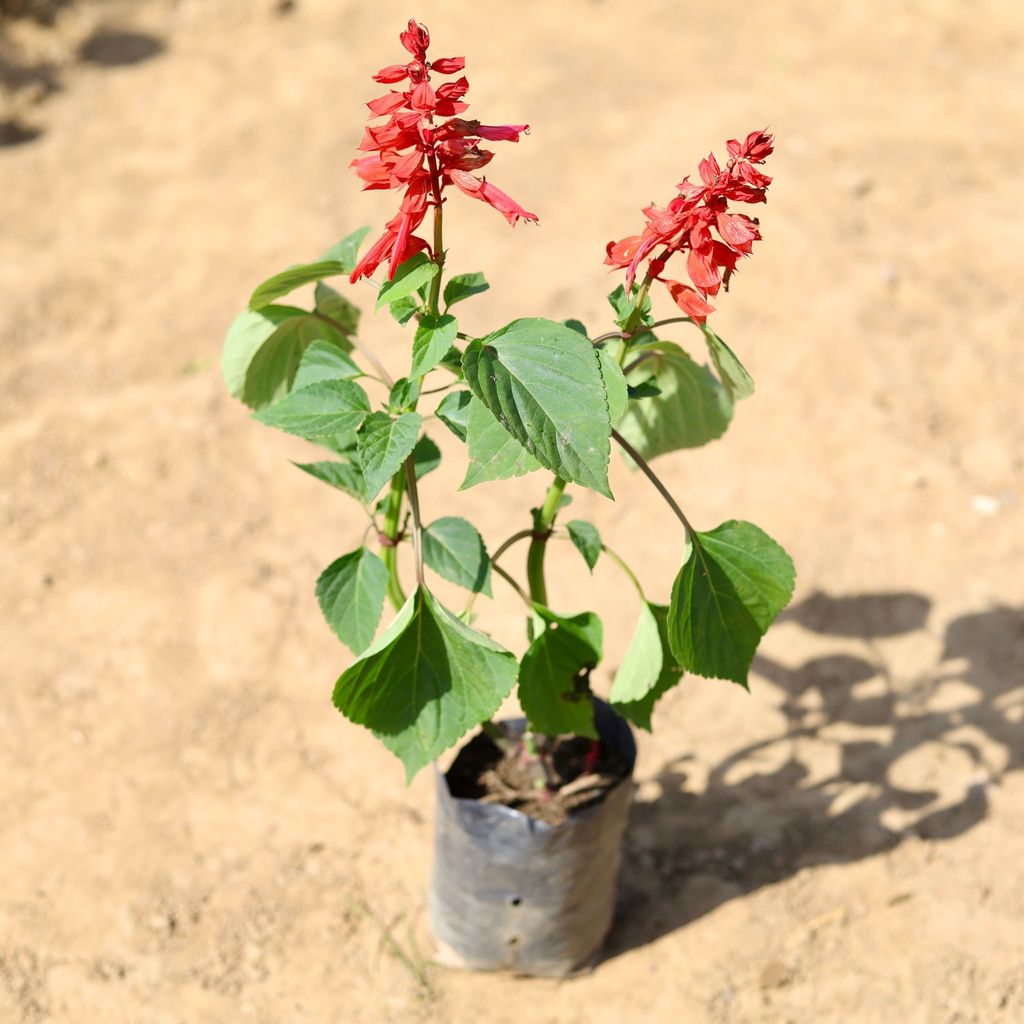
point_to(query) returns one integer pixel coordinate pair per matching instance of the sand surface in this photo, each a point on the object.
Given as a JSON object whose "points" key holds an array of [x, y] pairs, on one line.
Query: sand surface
{"points": [[189, 833]]}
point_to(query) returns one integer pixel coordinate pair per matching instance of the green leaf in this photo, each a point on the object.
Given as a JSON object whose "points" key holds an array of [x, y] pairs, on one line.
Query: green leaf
{"points": [[346, 252], [587, 540], [272, 372], [623, 305], [333, 304], [248, 334], [425, 682], [649, 669], [415, 271], [731, 371], [294, 277], [453, 412], [405, 309], [578, 326], [405, 392], [692, 409], [351, 595], [541, 381], [462, 286], [343, 444], [434, 337], [426, 457], [320, 410], [453, 361], [645, 389], [384, 444], [343, 475], [494, 454], [734, 581], [454, 549], [554, 674], [614, 384], [324, 361]]}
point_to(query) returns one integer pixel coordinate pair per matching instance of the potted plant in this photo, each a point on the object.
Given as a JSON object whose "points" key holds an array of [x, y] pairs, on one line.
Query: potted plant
{"points": [[531, 811]]}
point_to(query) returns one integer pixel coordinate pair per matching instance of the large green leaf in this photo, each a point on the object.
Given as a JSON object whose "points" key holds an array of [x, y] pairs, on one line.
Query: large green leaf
{"points": [[324, 361], [248, 334], [435, 335], [294, 277], [648, 669], [494, 454], [274, 367], [587, 540], [346, 252], [560, 657], [542, 382], [462, 286], [453, 412], [345, 476], [334, 305], [734, 581], [320, 410], [351, 594], [384, 444], [731, 371], [425, 682], [692, 409], [454, 549], [415, 271]]}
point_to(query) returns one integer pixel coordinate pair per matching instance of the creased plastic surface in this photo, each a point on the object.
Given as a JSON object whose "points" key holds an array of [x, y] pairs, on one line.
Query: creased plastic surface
{"points": [[509, 892]]}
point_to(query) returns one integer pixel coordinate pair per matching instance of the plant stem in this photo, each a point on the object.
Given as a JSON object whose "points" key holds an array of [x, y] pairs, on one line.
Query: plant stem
{"points": [[515, 586], [389, 551], [502, 548], [543, 520], [616, 558], [652, 476], [417, 525]]}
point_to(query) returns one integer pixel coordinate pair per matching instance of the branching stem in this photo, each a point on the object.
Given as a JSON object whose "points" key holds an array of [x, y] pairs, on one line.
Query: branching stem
{"points": [[652, 476]]}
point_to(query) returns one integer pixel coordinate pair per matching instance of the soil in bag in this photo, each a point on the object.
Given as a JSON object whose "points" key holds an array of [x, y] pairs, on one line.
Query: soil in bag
{"points": [[570, 773]]}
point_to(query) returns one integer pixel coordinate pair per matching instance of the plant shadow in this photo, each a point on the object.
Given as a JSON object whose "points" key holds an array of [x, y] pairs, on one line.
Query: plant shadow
{"points": [[25, 82], [853, 773]]}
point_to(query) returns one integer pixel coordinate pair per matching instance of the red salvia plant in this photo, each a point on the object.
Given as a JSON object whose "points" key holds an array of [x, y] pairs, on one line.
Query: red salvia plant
{"points": [[531, 395]]}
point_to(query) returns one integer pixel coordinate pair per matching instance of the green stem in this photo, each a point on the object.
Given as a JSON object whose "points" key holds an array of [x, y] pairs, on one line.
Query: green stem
{"points": [[616, 558], [543, 520], [389, 553], [653, 477]]}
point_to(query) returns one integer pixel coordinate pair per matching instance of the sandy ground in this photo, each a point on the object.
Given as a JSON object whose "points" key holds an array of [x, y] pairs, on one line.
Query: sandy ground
{"points": [[189, 832]]}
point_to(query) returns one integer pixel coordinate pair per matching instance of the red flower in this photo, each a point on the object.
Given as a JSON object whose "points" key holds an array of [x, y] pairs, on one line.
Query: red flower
{"points": [[686, 225], [410, 151]]}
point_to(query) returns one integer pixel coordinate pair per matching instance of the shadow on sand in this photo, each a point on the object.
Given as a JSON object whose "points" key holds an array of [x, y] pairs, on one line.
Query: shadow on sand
{"points": [[765, 811], [30, 82]]}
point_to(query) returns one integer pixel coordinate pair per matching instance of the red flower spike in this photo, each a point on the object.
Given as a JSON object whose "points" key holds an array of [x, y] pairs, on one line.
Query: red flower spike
{"points": [[687, 223], [413, 151]]}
